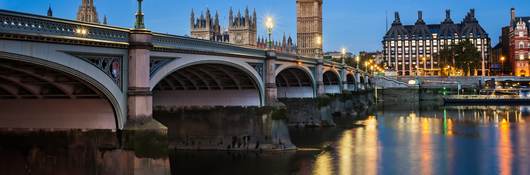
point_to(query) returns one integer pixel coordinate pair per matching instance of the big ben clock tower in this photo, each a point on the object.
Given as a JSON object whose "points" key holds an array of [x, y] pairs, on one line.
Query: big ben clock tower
{"points": [[309, 27]]}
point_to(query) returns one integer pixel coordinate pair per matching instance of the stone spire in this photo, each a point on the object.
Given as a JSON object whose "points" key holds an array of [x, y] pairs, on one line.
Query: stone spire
{"points": [[217, 25], [208, 19], [247, 17], [254, 18], [192, 19], [87, 12], [230, 18], [50, 12]]}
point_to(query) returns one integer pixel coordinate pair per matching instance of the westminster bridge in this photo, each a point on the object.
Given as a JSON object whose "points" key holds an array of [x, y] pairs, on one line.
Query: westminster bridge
{"points": [[63, 74]]}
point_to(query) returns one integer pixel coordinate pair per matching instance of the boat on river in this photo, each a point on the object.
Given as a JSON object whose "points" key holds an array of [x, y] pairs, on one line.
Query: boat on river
{"points": [[493, 96]]}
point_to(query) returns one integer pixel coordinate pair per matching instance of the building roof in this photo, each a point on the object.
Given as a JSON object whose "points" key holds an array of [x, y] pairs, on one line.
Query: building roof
{"points": [[446, 29], [526, 19]]}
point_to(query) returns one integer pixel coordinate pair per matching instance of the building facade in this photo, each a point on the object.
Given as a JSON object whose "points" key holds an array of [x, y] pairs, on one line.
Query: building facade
{"points": [[411, 49], [309, 27], [242, 29], [87, 12], [519, 44]]}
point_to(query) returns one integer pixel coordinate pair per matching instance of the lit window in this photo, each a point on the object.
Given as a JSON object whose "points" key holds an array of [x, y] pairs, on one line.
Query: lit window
{"points": [[521, 33], [521, 57], [414, 43], [406, 43], [399, 43]]}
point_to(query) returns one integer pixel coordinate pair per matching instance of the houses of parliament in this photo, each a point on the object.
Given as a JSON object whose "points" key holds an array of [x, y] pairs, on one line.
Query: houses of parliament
{"points": [[242, 28]]}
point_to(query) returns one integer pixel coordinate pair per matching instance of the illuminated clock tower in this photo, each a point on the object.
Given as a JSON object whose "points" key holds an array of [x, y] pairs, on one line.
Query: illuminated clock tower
{"points": [[309, 27]]}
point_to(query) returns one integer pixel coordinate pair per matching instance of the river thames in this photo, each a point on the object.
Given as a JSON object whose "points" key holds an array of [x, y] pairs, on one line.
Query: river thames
{"points": [[417, 139]]}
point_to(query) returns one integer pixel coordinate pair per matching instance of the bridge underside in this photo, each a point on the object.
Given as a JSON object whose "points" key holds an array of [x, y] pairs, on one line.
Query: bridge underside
{"points": [[294, 83], [207, 85], [331, 83], [34, 96]]}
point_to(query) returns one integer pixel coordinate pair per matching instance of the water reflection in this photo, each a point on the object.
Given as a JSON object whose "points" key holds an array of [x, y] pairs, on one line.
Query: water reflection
{"points": [[504, 147], [323, 164], [437, 140]]}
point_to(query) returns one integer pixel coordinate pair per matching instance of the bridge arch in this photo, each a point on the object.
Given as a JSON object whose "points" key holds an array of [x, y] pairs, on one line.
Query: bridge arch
{"points": [[212, 81], [61, 93], [332, 81], [293, 81]]}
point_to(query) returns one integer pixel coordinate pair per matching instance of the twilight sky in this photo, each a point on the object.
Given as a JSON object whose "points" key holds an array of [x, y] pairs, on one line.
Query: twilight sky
{"points": [[353, 24]]}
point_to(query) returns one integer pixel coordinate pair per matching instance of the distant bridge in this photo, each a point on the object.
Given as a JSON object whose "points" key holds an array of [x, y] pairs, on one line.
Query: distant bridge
{"points": [[63, 74]]}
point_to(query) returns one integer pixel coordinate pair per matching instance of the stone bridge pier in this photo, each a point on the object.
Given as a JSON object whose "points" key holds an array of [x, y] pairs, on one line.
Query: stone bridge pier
{"points": [[58, 74]]}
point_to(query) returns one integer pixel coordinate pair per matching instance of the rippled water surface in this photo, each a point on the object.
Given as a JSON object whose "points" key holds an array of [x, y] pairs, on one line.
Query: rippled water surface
{"points": [[392, 140]]}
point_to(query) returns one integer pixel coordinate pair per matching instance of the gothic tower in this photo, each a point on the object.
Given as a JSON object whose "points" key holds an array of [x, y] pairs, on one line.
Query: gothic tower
{"points": [[242, 29], [87, 12], [50, 12], [206, 27], [309, 27]]}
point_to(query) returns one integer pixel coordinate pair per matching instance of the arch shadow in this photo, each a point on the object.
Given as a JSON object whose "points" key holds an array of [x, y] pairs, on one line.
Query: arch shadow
{"points": [[76, 86], [197, 76], [293, 81]]}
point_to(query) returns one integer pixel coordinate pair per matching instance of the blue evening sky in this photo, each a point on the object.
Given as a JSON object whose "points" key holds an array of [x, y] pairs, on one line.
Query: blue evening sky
{"points": [[354, 24]]}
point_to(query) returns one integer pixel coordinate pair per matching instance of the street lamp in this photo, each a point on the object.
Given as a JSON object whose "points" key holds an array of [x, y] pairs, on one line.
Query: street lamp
{"points": [[343, 54], [357, 59], [502, 65], [269, 23]]}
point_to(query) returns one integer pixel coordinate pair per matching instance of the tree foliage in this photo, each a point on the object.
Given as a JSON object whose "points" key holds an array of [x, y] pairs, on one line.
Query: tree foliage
{"points": [[464, 56]]}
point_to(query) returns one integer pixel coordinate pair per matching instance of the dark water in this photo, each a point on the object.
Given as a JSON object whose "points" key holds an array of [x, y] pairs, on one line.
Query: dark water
{"points": [[417, 139]]}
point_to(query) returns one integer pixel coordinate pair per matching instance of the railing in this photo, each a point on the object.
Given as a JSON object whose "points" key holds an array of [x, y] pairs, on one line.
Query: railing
{"points": [[191, 44], [24, 24], [28, 24]]}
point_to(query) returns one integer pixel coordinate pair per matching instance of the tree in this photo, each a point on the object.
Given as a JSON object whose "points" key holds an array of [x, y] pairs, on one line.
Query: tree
{"points": [[467, 56], [464, 56], [445, 57]]}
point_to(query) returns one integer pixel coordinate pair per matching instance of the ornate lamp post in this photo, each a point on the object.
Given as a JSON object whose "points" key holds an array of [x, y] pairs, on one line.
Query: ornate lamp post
{"points": [[343, 55], [269, 23], [357, 59], [139, 24], [502, 65]]}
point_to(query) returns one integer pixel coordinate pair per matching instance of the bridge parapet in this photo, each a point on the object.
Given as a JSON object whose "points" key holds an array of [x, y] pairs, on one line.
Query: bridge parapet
{"points": [[16, 23], [166, 42]]}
